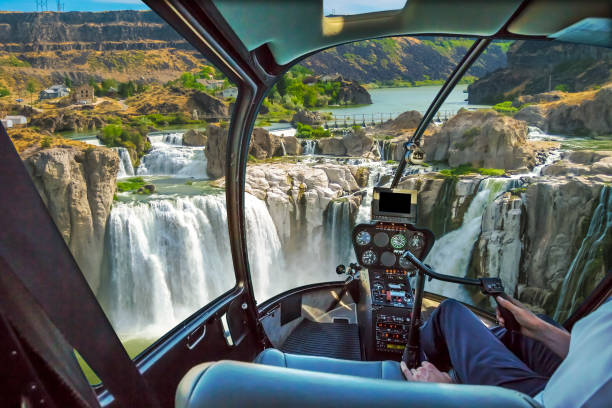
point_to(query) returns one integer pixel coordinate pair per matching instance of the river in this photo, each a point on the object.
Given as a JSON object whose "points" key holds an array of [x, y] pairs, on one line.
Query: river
{"points": [[390, 102]]}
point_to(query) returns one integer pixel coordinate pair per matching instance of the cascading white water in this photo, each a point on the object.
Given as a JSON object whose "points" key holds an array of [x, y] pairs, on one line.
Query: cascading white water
{"points": [[167, 138], [168, 157], [384, 149], [338, 231], [309, 147], [282, 143], [125, 162], [170, 160], [377, 170], [452, 252], [170, 257]]}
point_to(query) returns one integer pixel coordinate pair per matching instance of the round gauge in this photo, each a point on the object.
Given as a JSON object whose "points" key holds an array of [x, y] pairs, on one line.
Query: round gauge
{"points": [[363, 238], [369, 257], [377, 287], [381, 239], [416, 242], [405, 264], [387, 258], [398, 241]]}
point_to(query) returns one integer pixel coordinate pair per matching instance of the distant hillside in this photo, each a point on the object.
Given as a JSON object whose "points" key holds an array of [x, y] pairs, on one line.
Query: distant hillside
{"points": [[49, 47], [538, 66], [404, 59]]}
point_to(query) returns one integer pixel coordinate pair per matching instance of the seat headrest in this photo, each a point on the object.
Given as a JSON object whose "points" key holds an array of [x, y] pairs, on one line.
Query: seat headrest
{"points": [[237, 384]]}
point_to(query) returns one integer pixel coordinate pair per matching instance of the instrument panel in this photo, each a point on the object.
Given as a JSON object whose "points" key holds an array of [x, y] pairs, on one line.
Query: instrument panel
{"points": [[380, 245]]}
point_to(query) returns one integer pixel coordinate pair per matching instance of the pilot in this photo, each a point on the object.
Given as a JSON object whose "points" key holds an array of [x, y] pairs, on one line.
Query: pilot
{"points": [[542, 360]]}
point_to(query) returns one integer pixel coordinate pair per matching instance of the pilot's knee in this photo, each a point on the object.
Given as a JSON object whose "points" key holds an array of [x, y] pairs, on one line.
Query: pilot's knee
{"points": [[452, 306]]}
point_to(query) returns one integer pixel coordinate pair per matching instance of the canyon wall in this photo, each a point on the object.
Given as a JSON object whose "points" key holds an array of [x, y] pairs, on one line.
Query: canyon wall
{"points": [[78, 185]]}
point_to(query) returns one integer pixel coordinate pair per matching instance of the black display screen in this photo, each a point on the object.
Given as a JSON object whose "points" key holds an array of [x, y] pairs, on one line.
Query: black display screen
{"points": [[394, 202]]}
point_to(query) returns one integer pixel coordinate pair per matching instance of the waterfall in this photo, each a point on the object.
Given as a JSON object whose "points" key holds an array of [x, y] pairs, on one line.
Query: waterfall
{"points": [[384, 149], [452, 252], [168, 138], [377, 170], [589, 260], [282, 143], [125, 162], [168, 258], [171, 160], [338, 230], [309, 146]]}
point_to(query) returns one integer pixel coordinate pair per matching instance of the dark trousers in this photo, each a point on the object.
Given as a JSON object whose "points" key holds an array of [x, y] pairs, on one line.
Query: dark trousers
{"points": [[454, 337]]}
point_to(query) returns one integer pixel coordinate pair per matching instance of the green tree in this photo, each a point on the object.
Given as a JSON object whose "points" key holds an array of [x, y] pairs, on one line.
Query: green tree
{"points": [[31, 88], [68, 82]]}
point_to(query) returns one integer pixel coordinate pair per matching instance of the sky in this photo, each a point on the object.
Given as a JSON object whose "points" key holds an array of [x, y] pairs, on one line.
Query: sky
{"points": [[338, 6], [75, 5]]}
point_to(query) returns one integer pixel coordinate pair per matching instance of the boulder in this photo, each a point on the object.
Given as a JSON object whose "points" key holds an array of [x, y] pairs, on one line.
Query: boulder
{"points": [[589, 117], [407, 120], [209, 105], [264, 145], [332, 146], [357, 143], [78, 185], [293, 147], [194, 138], [481, 139], [306, 117], [351, 93]]}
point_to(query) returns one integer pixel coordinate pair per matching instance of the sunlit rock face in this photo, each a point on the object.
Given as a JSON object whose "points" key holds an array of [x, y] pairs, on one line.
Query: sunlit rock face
{"points": [[497, 253], [587, 114], [580, 163], [78, 185], [442, 201], [558, 213], [481, 139]]}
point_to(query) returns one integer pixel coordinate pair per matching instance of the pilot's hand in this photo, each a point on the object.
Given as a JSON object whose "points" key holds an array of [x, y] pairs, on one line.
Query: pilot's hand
{"points": [[427, 372], [531, 325]]}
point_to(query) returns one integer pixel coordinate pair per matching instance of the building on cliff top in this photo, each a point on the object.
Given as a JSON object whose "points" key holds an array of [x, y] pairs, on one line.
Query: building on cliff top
{"points": [[56, 91], [211, 83], [84, 95]]}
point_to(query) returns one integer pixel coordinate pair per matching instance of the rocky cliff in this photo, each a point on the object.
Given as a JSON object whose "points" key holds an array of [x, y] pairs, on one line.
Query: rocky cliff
{"points": [[586, 114], [110, 30], [264, 145], [78, 185], [538, 66], [481, 139], [551, 234], [298, 196]]}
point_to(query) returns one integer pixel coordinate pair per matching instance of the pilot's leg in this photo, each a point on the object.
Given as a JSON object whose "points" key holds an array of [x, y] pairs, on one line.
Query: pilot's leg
{"points": [[454, 337], [536, 355]]}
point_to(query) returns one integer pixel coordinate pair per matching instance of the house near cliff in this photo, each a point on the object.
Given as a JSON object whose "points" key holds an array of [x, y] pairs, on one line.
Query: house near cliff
{"points": [[228, 93], [211, 84], [56, 91], [14, 121], [84, 94]]}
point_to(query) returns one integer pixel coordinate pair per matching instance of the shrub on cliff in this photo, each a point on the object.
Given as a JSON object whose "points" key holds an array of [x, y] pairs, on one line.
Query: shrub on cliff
{"points": [[308, 132], [132, 138]]}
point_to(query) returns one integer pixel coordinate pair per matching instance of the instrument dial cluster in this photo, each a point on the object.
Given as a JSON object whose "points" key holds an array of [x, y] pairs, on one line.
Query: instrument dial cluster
{"points": [[381, 244]]}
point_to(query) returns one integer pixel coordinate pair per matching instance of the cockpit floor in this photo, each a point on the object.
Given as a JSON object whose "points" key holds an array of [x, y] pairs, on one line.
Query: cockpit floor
{"points": [[336, 340]]}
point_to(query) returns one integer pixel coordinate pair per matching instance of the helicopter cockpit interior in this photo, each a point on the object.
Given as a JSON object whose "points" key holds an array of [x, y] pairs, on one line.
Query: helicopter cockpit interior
{"points": [[190, 220]]}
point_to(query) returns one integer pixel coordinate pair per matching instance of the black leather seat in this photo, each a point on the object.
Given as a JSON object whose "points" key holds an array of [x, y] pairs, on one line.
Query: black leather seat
{"points": [[387, 370], [236, 384]]}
